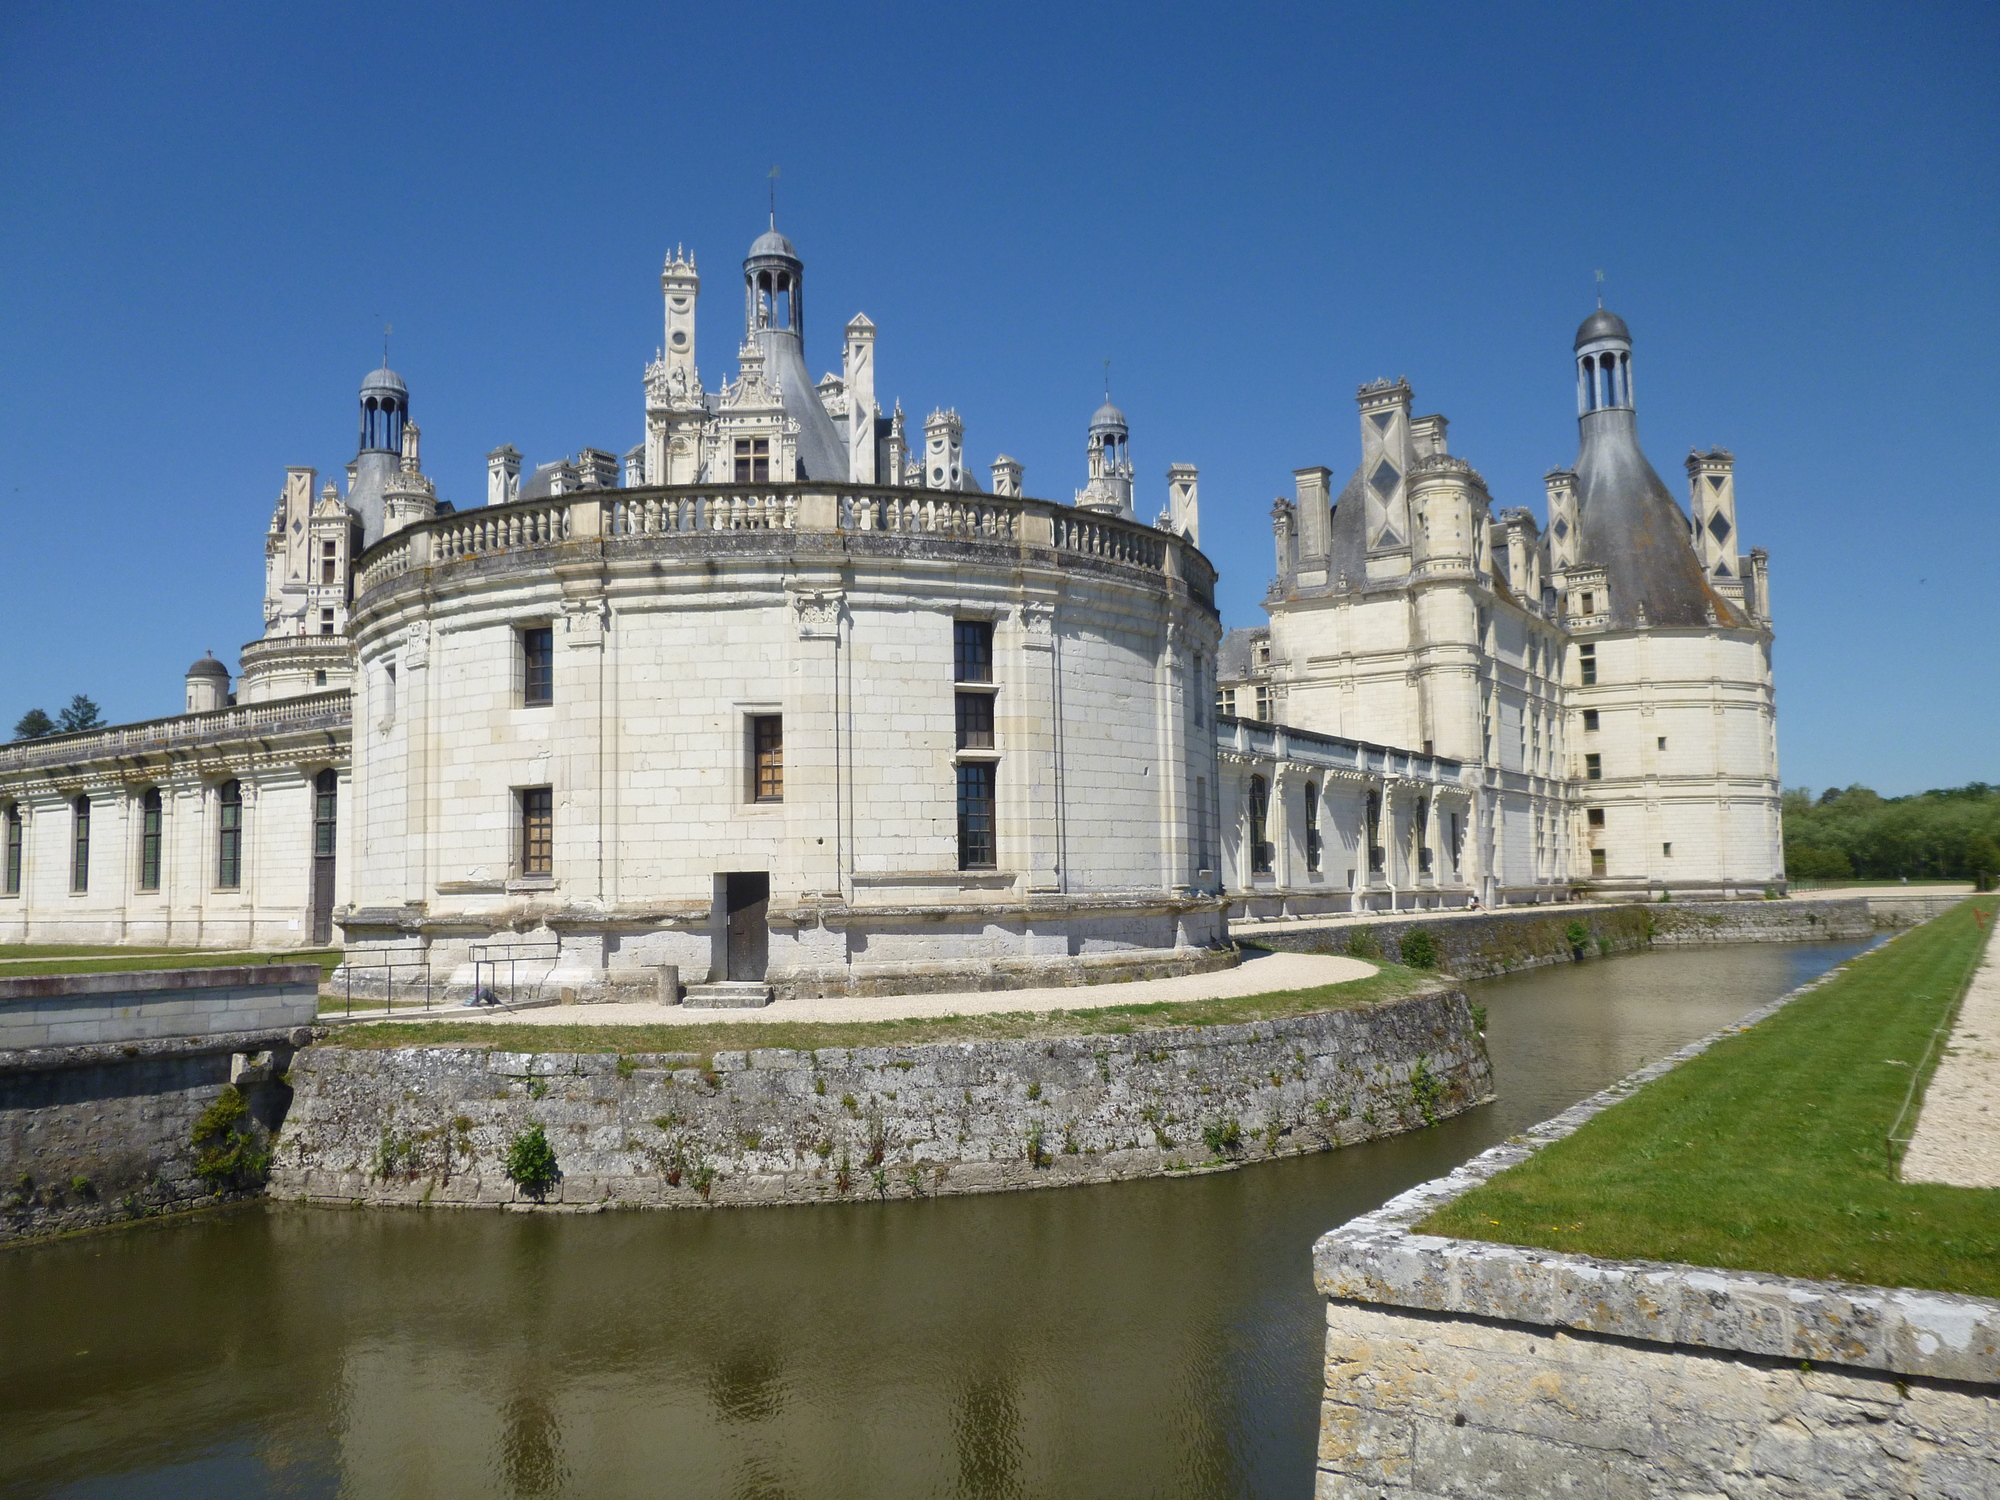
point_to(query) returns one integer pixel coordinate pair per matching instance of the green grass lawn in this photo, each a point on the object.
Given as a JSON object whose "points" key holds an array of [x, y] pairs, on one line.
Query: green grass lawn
{"points": [[1766, 1152], [1113, 1020], [48, 960]]}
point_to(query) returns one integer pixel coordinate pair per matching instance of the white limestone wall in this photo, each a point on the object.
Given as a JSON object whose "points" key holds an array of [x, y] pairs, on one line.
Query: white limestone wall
{"points": [[268, 907], [1711, 793], [661, 665]]}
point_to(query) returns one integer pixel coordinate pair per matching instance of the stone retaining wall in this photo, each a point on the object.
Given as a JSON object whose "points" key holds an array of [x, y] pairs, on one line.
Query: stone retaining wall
{"points": [[1478, 945], [431, 1125], [60, 1010], [94, 1134], [1462, 1368]]}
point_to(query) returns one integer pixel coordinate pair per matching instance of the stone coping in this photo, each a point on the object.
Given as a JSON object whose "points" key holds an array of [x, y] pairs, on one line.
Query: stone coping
{"points": [[122, 982], [147, 1049], [1380, 1259]]}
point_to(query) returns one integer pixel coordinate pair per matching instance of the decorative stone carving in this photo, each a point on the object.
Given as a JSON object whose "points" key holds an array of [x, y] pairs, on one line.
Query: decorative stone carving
{"points": [[818, 612]]}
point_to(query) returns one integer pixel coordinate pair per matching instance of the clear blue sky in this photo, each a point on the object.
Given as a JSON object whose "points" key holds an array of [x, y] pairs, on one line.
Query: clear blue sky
{"points": [[209, 211]]}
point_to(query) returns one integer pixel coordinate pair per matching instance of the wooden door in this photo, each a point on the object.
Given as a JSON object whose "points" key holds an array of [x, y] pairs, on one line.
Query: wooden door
{"points": [[748, 898]]}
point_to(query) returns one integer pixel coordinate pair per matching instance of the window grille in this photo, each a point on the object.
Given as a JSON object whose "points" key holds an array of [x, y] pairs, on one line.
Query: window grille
{"points": [[975, 721], [326, 806], [1312, 827], [767, 733], [1590, 720], [1260, 815], [79, 854], [14, 850], [149, 840], [538, 660], [753, 460], [1263, 704], [1597, 861], [977, 848], [972, 651], [538, 830], [1587, 660], [229, 835], [1593, 768]]}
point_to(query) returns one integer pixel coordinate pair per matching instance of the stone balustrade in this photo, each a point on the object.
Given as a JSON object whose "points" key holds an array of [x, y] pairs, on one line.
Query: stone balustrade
{"points": [[316, 711], [850, 510]]}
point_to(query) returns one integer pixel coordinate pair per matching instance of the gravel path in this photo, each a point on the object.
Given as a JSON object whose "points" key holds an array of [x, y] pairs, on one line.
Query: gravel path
{"points": [[1258, 974], [1957, 1140]]}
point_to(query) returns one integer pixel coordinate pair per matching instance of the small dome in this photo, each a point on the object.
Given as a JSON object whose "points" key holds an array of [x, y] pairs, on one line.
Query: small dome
{"points": [[773, 243], [1107, 415], [1602, 325], [384, 379], [208, 666]]}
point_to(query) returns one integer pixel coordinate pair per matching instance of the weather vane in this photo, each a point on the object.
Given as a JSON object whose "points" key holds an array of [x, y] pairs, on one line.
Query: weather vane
{"points": [[1107, 380], [774, 197], [1600, 289]]}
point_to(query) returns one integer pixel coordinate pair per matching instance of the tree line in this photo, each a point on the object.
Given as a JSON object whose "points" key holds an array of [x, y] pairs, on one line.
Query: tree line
{"points": [[79, 715], [1950, 833]]}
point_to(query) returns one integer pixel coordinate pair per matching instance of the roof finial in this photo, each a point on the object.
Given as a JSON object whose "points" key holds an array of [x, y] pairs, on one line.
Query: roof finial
{"points": [[1107, 380], [774, 198], [1600, 289]]}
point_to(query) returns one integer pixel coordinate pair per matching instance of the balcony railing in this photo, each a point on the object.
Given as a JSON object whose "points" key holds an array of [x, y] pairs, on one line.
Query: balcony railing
{"points": [[317, 711], [852, 510]]}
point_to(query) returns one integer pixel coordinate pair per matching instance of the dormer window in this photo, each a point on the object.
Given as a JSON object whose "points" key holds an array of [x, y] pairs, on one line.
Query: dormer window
{"points": [[329, 562], [753, 460], [1263, 653]]}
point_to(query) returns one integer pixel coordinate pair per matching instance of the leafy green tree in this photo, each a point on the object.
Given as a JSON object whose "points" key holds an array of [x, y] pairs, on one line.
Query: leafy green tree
{"points": [[80, 714], [1849, 832], [33, 725]]}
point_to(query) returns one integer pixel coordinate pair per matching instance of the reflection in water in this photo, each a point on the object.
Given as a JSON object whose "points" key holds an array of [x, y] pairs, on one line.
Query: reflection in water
{"points": [[1154, 1338]]}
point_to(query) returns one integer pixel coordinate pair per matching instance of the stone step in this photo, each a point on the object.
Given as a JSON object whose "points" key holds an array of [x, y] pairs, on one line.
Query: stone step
{"points": [[729, 995]]}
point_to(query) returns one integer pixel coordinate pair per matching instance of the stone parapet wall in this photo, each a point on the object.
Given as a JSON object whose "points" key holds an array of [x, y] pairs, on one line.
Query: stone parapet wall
{"points": [[96, 1134], [1478, 945], [1463, 1368], [58, 1010], [432, 1124]]}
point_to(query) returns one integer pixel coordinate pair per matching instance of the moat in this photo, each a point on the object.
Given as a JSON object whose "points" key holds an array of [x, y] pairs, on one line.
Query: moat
{"points": [[1155, 1338]]}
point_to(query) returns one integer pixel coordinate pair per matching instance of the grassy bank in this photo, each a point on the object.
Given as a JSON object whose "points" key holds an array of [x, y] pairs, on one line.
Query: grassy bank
{"points": [[1110, 1020], [1766, 1152], [49, 959]]}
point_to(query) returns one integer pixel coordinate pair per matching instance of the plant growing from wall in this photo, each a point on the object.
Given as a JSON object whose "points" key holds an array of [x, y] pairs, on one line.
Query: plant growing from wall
{"points": [[1222, 1137], [231, 1150], [1362, 944], [1038, 1151], [1579, 938], [530, 1162], [1426, 1088], [1419, 949]]}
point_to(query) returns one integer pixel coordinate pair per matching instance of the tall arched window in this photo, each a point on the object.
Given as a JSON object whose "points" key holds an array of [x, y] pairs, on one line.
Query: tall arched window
{"points": [[325, 806], [149, 840], [79, 850], [1312, 827], [229, 835], [1373, 833], [13, 884], [1260, 812]]}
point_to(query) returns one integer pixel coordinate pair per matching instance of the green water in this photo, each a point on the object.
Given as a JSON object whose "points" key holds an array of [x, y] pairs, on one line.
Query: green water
{"points": [[1150, 1339]]}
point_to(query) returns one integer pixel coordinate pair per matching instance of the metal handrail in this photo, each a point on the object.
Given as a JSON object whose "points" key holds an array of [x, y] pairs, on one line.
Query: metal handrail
{"points": [[491, 955], [387, 966]]}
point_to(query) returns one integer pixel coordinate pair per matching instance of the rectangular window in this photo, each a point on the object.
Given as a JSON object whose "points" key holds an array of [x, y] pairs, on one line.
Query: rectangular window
{"points": [[538, 830], [1198, 814], [1595, 817], [326, 622], [767, 746], [329, 562], [1260, 817], [14, 850], [538, 666], [1587, 659], [1597, 861], [1225, 701], [79, 854], [1263, 704], [1590, 721], [1589, 603], [150, 811], [975, 721], [1667, 850], [977, 849], [753, 460], [229, 835], [1312, 828], [1593, 768], [1663, 742], [1373, 833], [972, 651]]}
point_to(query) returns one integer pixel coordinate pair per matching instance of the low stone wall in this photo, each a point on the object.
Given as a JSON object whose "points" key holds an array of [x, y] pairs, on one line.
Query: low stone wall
{"points": [[94, 1134], [1462, 1368], [1478, 945], [432, 1125], [58, 1010], [1898, 908]]}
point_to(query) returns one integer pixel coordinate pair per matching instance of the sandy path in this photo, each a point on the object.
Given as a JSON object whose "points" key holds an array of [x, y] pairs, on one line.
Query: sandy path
{"points": [[1957, 1141], [1258, 974]]}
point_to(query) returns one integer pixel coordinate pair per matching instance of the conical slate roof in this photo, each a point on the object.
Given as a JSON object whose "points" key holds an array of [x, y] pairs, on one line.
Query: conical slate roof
{"points": [[1635, 531]]}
